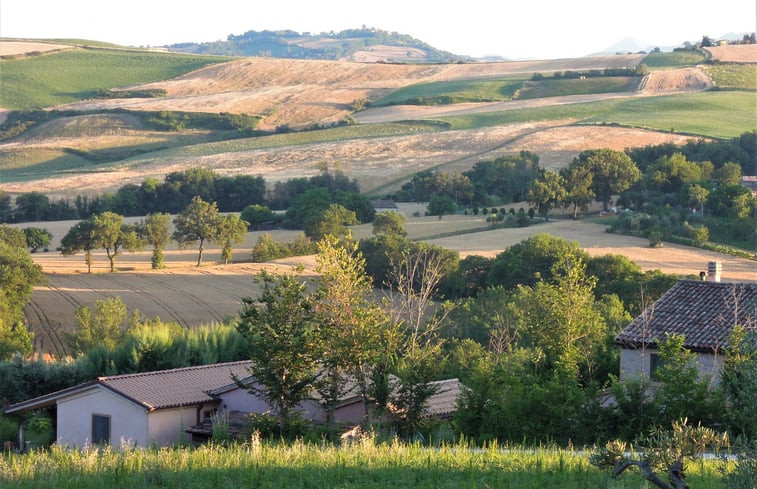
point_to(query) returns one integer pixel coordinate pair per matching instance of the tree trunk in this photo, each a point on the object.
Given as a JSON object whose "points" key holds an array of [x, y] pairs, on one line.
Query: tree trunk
{"points": [[199, 256], [575, 210]]}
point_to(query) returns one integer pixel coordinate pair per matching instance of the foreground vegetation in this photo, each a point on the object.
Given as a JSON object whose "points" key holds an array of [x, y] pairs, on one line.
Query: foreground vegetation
{"points": [[365, 464]]}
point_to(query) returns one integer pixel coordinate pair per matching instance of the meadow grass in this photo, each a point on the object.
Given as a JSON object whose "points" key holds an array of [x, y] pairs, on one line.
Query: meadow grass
{"points": [[366, 464], [733, 76], [676, 59], [455, 91], [69, 76], [725, 114], [557, 88]]}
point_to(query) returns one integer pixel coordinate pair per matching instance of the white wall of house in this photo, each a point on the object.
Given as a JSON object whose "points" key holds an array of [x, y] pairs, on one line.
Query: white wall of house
{"points": [[128, 421], [635, 363], [167, 426]]}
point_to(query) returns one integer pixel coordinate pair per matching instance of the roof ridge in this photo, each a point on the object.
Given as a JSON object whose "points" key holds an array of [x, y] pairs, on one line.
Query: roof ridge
{"points": [[162, 372]]}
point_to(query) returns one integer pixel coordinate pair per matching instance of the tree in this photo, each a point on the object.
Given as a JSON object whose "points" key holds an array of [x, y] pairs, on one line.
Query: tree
{"points": [[110, 233], [389, 222], [561, 321], [357, 331], [438, 205], [284, 341], [697, 196], [577, 182], [105, 326], [231, 230], [257, 216], [613, 172], [12, 236], [198, 221], [156, 230], [728, 174], [546, 192], [14, 338], [32, 206], [331, 222], [80, 237], [414, 280], [18, 275], [37, 238], [5, 207]]}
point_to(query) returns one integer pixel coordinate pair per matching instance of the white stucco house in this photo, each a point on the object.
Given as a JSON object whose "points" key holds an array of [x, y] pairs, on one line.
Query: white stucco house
{"points": [[166, 406], [705, 312]]}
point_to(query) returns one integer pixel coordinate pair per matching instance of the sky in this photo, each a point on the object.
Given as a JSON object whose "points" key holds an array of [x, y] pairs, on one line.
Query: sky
{"points": [[523, 29]]}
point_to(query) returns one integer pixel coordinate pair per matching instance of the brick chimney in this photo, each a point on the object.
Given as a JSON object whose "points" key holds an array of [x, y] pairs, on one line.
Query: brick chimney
{"points": [[714, 269]]}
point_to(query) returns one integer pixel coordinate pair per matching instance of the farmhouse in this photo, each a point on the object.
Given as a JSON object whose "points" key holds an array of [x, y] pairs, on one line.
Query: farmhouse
{"points": [[705, 312], [161, 407]]}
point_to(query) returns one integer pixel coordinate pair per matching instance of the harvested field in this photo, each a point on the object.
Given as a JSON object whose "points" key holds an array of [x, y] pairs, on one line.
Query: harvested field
{"points": [[302, 92], [193, 295], [17, 48], [740, 53], [375, 163], [681, 80]]}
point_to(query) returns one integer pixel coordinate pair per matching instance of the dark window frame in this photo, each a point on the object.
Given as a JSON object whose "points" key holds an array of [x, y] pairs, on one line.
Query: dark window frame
{"points": [[97, 437]]}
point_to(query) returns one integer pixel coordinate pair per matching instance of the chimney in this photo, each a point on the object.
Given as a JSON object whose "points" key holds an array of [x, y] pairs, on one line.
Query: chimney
{"points": [[714, 269]]}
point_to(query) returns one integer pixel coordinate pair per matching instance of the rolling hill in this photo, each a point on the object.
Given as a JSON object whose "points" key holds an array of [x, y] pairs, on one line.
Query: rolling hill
{"points": [[127, 114]]}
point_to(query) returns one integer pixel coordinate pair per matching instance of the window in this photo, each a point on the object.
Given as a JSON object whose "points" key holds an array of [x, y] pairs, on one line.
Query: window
{"points": [[655, 364], [100, 429]]}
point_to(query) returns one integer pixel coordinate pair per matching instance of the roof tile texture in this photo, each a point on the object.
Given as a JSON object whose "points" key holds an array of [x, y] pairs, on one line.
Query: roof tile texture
{"points": [[176, 387], [704, 312]]}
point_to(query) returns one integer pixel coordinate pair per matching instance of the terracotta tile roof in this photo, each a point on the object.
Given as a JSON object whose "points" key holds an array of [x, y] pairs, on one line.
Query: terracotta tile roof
{"points": [[444, 403], [153, 390], [176, 387], [704, 312]]}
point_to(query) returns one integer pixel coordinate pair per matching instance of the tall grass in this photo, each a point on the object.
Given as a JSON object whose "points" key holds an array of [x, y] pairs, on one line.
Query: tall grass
{"points": [[366, 465], [69, 76]]}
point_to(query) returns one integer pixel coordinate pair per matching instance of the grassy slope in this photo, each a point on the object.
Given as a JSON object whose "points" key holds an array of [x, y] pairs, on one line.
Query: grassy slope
{"points": [[677, 59], [59, 78], [733, 76], [500, 89], [559, 88], [714, 114]]}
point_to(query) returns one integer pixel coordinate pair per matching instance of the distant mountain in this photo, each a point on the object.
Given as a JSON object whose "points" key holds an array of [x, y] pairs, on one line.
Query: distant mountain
{"points": [[365, 44], [627, 45]]}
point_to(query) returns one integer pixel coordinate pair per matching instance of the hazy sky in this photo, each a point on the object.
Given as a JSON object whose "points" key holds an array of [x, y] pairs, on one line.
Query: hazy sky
{"points": [[513, 29]]}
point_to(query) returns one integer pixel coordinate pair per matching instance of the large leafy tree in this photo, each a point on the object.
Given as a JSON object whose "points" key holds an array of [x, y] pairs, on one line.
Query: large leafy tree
{"points": [[389, 222], [198, 222], [18, 274], [560, 320], [111, 233], [284, 342], [331, 222], [80, 237], [577, 180], [546, 192], [613, 172], [37, 238]]}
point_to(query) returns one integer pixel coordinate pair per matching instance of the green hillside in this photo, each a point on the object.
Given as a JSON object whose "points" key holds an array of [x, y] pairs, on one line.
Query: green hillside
{"points": [[295, 45], [69, 76]]}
